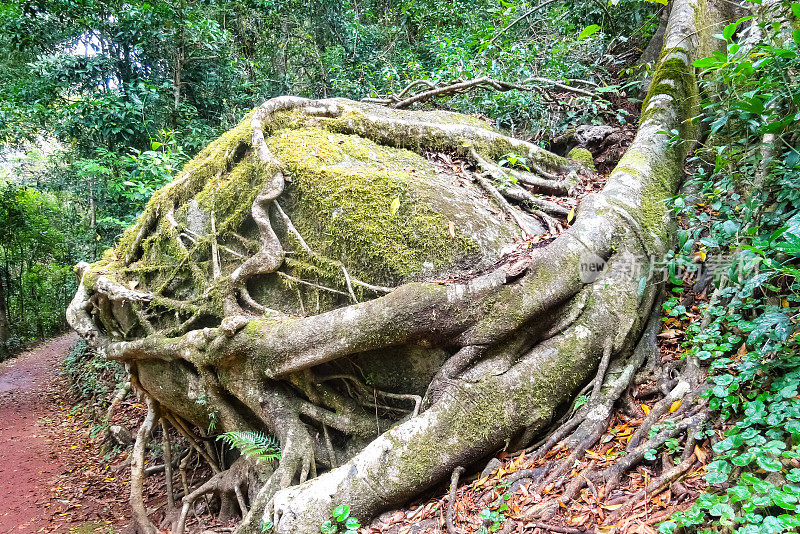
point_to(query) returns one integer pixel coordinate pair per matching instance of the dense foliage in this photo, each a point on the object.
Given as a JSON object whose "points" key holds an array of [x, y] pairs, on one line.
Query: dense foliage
{"points": [[744, 218]]}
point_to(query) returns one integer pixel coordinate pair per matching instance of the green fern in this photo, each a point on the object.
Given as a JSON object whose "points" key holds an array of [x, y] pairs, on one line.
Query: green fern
{"points": [[254, 444]]}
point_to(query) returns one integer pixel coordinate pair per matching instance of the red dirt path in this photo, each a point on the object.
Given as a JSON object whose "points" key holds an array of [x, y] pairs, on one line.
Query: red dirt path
{"points": [[43, 449]]}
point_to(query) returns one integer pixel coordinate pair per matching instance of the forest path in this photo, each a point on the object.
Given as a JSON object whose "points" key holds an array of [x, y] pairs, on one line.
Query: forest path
{"points": [[45, 452]]}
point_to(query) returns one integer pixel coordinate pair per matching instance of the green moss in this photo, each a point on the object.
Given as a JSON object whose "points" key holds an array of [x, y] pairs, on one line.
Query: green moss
{"points": [[658, 189], [92, 528], [582, 156], [488, 418], [347, 191], [674, 77], [212, 161], [230, 196], [660, 184], [381, 210], [420, 130]]}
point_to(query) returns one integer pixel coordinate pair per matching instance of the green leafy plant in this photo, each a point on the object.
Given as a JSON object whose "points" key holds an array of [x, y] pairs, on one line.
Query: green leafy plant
{"points": [[493, 518], [341, 521], [253, 444], [750, 342]]}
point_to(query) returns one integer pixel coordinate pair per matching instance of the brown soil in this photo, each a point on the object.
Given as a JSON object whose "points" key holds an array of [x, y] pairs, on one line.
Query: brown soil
{"points": [[47, 463]]}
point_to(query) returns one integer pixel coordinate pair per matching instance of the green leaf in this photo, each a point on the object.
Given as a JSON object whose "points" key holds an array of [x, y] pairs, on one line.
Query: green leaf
{"points": [[667, 527], [796, 9], [786, 501], [794, 475], [729, 30], [722, 510], [588, 31], [767, 463], [352, 523], [718, 472], [341, 512], [789, 520], [739, 493], [771, 525], [253, 444], [328, 528], [706, 63]]}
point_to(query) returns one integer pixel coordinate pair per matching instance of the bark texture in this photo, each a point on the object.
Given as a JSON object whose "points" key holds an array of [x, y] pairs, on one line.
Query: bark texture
{"points": [[311, 275]]}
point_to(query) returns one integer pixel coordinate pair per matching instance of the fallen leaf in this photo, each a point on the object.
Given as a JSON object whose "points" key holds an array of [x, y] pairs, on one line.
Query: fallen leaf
{"points": [[675, 405], [701, 454], [646, 409], [742, 350], [669, 333], [452, 229]]}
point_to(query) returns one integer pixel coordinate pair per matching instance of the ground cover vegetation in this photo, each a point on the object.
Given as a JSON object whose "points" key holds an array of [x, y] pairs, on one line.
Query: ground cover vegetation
{"points": [[103, 107]]}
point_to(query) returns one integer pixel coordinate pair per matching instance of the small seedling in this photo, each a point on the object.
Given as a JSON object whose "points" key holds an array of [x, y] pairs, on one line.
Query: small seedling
{"points": [[340, 522]]}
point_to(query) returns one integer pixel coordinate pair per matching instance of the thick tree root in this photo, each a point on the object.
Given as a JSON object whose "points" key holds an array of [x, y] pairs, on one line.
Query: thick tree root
{"points": [[227, 484], [430, 91], [141, 522]]}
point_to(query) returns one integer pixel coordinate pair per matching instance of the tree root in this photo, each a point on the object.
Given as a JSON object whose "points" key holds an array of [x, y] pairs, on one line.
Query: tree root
{"points": [[181, 427], [167, 465], [531, 337], [457, 472], [656, 485], [462, 86], [119, 396], [514, 192], [528, 228], [551, 184], [546, 527], [141, 522], [226, 484]]}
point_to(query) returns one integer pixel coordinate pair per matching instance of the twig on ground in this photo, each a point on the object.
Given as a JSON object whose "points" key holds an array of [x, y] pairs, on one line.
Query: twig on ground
{"points": [[457, 472]]}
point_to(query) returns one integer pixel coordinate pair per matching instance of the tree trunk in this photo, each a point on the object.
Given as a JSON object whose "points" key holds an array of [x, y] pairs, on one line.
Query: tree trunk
{"points": [[92, 206], [5, 328]]}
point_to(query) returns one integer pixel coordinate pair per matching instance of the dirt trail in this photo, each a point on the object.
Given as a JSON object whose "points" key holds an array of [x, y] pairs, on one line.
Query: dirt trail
{"points": [[40, 443]]}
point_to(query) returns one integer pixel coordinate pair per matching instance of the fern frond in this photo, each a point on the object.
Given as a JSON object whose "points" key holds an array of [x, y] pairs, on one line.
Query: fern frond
{"points": [[254, 444]]}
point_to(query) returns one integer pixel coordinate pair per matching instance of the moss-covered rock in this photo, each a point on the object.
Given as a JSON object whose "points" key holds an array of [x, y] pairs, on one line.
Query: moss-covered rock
{"points": [[382, 212], [582, 156]]}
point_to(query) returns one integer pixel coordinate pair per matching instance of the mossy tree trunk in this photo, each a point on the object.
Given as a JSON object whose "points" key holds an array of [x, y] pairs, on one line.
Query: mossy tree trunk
{"points": [[305, 276]]}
